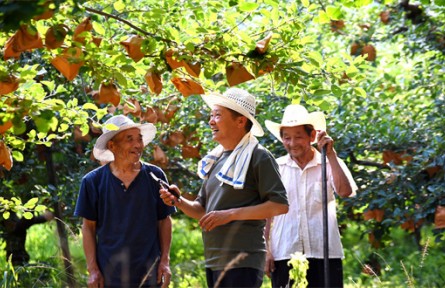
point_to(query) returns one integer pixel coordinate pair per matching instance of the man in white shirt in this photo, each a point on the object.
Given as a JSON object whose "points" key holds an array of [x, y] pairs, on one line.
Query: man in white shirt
{"points": [[301, 229]]}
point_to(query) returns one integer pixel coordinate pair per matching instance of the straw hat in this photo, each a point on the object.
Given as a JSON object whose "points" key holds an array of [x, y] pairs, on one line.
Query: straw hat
{"points": [[112, 127], [296, 115], [238, 100]]}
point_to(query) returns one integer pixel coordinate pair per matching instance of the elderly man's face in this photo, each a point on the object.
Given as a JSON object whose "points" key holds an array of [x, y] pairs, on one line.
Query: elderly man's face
{"points": [[127, 146], [296, 140]]}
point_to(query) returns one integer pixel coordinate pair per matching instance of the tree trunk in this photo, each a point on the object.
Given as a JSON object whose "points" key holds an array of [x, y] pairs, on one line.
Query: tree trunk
{"points": [[63, 239]]}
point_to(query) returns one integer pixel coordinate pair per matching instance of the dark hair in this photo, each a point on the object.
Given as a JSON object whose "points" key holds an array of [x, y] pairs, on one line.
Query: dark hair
{"points": [[308, 128], [235, 114]]}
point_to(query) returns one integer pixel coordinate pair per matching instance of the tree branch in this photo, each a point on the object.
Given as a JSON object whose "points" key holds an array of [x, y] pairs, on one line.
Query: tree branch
{"points": [[92, 10], [179, 167], [367, 163]]}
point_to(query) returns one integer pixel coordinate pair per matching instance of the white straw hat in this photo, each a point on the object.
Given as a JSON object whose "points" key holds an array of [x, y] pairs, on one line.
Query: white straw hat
{"points": [[119, 123], [238, 100], [296, 115]]}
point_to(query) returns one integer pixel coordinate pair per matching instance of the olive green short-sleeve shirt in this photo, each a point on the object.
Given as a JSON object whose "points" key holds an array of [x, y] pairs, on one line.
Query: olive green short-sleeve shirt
{"points": [[225, 242]]}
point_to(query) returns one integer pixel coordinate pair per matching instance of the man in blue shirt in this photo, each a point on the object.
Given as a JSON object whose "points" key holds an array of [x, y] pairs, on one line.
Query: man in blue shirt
{"points": [[126, 227]]}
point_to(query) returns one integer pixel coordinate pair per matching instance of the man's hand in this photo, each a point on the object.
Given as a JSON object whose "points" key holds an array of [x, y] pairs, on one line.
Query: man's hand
{"points": [[95, 280], [323, 139], [270, 264], [214, 219], [164, 274], [167, 197]]}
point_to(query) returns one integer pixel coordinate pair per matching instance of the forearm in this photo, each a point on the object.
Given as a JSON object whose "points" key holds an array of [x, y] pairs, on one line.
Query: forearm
{"points": [[191, 208], [341, 182], [89, 246], [165, 238], [267, 231], [261, 211]]}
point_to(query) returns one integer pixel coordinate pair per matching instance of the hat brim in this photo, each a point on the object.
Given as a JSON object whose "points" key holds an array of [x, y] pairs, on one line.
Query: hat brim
{"points": [[316, 119], [102, 153], [213, 99]]}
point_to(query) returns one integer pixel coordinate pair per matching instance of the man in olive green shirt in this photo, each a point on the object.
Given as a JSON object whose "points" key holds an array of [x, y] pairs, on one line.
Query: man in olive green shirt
{"points": [[241, 188]]}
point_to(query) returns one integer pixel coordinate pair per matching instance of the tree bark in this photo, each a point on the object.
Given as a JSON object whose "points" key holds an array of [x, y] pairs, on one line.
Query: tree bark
{"points": [[63, 239]]}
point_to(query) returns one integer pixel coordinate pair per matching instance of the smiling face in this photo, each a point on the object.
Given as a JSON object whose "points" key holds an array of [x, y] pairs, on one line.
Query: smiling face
{"points": [[227, 129], [127, 146], [297, 142]]}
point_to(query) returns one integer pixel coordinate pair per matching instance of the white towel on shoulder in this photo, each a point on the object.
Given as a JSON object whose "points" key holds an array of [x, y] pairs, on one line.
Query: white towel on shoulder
{"points": [[235, 168]]}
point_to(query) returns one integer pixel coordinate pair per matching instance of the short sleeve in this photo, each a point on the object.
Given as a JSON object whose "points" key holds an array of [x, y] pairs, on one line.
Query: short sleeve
{"points": [[86, 205], [267, 173]]}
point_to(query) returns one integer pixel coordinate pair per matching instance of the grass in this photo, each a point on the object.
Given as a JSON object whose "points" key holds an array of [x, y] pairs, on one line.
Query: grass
{"points": [[402, 263]]}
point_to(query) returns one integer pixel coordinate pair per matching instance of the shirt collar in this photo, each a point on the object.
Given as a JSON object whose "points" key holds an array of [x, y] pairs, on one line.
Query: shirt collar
{"points": [[287, 160]]}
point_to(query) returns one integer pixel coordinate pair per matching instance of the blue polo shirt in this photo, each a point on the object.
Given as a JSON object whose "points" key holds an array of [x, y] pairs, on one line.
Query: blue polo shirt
{"points": [[127, 231]]}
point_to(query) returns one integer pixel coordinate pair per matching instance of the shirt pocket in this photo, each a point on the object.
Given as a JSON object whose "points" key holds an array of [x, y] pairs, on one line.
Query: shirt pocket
{"points": [[316, 192]]}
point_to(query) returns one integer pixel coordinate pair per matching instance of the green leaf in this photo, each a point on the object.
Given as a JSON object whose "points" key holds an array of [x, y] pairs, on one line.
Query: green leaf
{"points": [[360, 91], [50, 84], [55, 104], [120, 79], [128, 68], [17, 155], [17, 201], [19, 127], [315, 58], [324, 105], [323, 18], [248, 7], [336, 90], [111, 127], [333, 12], [31, 203], [6, 215], [98, 28], [63, 127], [305, 3], [85, 129], [90, 106], [28, 215], [190, 47], [321, 92], [362, 3], [32, 134], [40, 208], [61, 89], [149, 46], [44, 124], [119, 6]]}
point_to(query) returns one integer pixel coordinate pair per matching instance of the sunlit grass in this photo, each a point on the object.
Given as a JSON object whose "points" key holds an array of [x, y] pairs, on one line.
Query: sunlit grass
{"points": [[400, 259]]}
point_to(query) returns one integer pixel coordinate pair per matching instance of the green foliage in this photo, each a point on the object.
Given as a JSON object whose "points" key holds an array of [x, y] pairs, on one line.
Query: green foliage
{"points": [[300, 265], [393, 104], [44, 268], [187, 262], [21, 209], [187, 254], [399, 263]]}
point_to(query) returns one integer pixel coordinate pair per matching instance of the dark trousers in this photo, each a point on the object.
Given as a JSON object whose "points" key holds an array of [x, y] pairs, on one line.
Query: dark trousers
{"points": [[237, 277], [314, 276]]}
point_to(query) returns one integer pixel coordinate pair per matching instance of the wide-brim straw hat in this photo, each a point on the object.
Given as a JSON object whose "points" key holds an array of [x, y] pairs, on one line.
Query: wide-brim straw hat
{"points": [[238, 100], [296, 115], [112, 127]]}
